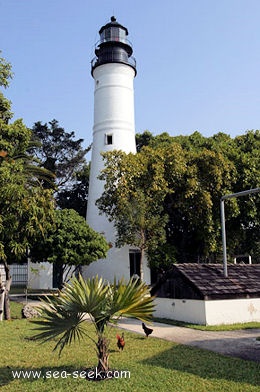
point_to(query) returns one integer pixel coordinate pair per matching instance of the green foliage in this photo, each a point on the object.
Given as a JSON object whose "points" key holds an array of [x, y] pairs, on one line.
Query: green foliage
{"points": [[134, 191], [5, 104], [246, 225], [25, 207], [103, 302], [75, 197], [5, 72], [59, 152], [16, 310], [5, 109], [70, 241], [143, 139], [211, 167]]}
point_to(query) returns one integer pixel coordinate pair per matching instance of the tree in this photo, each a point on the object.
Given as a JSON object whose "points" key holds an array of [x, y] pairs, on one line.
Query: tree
{"points": [[245, 226], [143, 139], [59, 152], [5, 104], [26, 209], [70, 243], [103, 302], [76, 196], [194, 219], [214, 166], [134, 191]]}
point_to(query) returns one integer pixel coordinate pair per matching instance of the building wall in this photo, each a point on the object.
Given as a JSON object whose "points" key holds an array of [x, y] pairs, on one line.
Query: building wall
{"points": [[232, 311], [40, 275], [216, 312], [116, 265], [188, 310]]}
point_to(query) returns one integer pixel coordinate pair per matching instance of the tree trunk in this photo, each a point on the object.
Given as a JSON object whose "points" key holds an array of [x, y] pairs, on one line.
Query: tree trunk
{"points": [[142, 249], [103, 354], [2, 299], [142, 265], [7, 310]]}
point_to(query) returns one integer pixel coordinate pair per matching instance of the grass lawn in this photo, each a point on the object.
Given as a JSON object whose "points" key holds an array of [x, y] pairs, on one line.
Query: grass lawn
{"points": [[222, 327], [154, 365]]}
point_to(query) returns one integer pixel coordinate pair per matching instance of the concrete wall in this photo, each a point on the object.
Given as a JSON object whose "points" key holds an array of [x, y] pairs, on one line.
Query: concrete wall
{"points": [[232, 311], [40, 275], [188, 310], [209, 312]]}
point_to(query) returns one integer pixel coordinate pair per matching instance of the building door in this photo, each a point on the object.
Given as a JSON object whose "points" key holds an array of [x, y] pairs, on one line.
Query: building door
{"points": [[135, 260]]}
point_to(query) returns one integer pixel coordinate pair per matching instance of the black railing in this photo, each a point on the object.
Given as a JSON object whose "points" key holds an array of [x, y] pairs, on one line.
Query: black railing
{"points": [[112, 59]]}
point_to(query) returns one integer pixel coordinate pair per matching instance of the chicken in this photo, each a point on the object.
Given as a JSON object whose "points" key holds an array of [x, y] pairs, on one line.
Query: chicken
{"points": [[120, 341], [147, 330]]}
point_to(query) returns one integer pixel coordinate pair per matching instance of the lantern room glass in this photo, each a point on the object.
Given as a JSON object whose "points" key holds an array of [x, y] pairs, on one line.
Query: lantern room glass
{"points": [[113, 33]]}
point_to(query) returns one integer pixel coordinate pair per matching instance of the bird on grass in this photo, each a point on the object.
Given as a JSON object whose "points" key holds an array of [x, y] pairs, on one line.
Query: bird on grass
{"points": [[147, 330], [120, 341]]}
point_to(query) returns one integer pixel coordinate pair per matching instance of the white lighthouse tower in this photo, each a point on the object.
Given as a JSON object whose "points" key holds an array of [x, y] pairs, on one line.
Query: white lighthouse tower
{"points": [[113, 70]]}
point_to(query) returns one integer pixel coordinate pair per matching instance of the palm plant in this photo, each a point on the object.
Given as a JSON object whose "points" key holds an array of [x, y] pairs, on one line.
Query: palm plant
{"points": [[65, 315]]}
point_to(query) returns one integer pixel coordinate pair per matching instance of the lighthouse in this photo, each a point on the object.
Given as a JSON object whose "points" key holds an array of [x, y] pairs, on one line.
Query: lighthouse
{"points": [[113, 70]]}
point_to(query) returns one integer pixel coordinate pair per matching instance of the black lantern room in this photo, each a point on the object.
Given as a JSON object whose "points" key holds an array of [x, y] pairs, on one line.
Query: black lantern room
{"points": [[113, 46]]}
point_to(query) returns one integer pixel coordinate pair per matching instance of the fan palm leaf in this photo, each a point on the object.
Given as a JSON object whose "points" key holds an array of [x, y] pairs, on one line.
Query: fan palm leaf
{"points": [[64, 316]]}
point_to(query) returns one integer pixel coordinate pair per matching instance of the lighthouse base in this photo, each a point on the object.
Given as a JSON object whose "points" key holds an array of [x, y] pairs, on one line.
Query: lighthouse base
{"points": [[120, 262]]}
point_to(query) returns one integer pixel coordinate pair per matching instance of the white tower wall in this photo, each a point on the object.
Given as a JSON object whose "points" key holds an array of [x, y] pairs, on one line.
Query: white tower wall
{"points": [[113, 116], [114, 129]]}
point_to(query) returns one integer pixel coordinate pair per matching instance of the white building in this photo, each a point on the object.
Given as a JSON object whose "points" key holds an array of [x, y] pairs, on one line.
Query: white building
{"points": [[201, 294], [113, 70]]}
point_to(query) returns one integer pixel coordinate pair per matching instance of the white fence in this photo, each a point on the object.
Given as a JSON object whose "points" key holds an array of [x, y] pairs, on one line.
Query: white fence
{"points": [[19, 273]]}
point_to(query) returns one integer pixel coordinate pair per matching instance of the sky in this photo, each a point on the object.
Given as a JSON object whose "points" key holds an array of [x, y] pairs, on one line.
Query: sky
{"points": [[198, 62]]}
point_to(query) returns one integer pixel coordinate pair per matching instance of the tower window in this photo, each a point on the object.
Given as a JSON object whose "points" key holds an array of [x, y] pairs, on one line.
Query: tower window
{"points": [[109, 138]]}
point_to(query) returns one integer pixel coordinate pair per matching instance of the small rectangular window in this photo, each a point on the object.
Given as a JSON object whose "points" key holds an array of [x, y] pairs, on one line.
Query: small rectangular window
{"points": [[109, 139]]}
